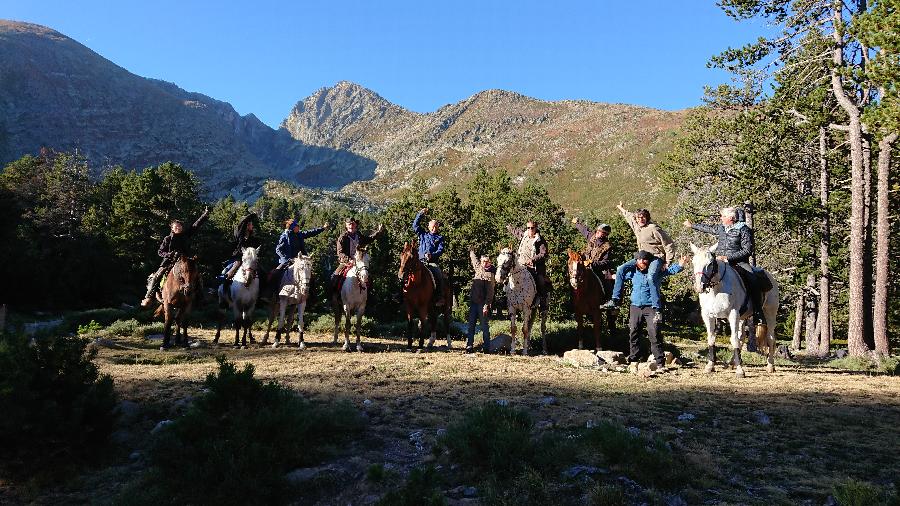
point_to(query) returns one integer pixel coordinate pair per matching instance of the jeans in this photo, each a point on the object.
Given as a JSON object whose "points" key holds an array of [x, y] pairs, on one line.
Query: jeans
{"points": [[635, 316], [652, 271], [476, 312]]}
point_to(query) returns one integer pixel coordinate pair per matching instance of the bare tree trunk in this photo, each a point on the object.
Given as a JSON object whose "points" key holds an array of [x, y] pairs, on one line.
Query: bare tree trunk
{"points": [[798, 320], [823, 322], [882, 345], [811, 308], [868, 263], [856, 342]]}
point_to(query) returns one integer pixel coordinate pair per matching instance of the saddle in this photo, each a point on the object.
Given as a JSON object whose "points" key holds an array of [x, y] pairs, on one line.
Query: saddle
{"points": [[757, 280]]}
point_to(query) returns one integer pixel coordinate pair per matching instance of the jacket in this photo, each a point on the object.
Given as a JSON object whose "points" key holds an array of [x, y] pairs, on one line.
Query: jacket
{"points": [[482, 283], [347, 244], [597, 250], [651, 238], [241, 239], [734, 242], [531, 249], [181, 243], [644, 292], [432, 244], [290, 244]]}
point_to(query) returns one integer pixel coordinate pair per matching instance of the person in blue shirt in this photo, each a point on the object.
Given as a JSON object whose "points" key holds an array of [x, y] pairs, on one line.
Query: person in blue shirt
{"points": [[645, 303], [431, 247]]}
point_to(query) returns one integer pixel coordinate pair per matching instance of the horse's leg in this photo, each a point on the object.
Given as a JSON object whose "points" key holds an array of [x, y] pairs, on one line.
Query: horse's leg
{"points": [[409, 329], [282, 307], [219, 323], [432, 327], [423, 326], [290, 325], [527, 323], [359, 313], [512, 330], [710, 323], [301, 308], [346, 328], [579, 329], [544, 332], [265, 340], [734, 319], [772, 313], [336, 309], [596, 317]]}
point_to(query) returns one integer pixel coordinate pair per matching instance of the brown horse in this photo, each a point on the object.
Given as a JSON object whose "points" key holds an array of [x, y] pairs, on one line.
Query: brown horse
{"points": [[181, 285], [589, 295], [419, 298]]}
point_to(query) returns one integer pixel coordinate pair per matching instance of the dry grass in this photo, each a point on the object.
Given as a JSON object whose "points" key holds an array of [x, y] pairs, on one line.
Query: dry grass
{"points": [[826, 425]]}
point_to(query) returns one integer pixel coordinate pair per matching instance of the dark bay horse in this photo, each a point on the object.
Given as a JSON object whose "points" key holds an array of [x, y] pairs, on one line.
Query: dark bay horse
{"points": [[419, 298], [181, 285], [589, 295]]}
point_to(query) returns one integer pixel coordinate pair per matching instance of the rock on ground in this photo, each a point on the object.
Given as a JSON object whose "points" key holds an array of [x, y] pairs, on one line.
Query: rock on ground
{"points": [[502, 342], [613, 357], [582, 358]]}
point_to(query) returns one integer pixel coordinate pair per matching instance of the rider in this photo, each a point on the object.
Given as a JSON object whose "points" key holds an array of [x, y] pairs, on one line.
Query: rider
{"points": [[598, 251], [645, 303], [347, 243], [532, 254], [431, 246], [176, 243], [735, 246], [244, 237], [651, 238]]}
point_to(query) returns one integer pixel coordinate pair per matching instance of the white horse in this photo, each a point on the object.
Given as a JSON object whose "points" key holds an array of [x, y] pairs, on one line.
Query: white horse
{"points": [[520, 295], [293, 290], [722, 293], [241, 297], [354, 293]]}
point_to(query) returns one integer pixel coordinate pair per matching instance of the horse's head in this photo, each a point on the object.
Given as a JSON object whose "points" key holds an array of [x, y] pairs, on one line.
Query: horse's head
{"points": [[249, 261], [302, 270], [576, 269], [408, 260], [706, 268], [506, 260], [362, 266]]}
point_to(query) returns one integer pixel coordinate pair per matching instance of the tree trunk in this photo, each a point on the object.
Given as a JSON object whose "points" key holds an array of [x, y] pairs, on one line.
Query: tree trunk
{"points": [[823, 321], [798, 320], [882, 345], [856, 342], [810, 309], [868, 264]]}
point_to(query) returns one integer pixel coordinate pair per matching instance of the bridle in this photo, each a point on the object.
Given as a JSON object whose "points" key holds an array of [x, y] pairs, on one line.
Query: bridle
{"points": [[505, 267], [708, 275]]}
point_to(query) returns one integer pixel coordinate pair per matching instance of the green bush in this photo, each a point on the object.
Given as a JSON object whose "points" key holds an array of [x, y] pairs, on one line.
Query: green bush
{"points": [[862, 493], [90, 329], [420, 489], [57, 408], [491, 439], [123, 328], [648, 461], [238, 441]]}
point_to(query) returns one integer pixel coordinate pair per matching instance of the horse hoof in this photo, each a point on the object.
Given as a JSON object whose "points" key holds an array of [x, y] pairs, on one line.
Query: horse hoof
{"points": [[275, 345], [710, 367], [359, 348], [301, 346], [739, 373], [770, 368], [345, 347]]}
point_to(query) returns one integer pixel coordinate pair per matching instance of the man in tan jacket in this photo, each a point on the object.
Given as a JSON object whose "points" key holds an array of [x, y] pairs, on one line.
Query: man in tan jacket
{"points": [[480, 299], [651, 238]]}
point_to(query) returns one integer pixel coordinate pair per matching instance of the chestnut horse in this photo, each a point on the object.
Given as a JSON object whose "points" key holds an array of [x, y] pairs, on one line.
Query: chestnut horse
{"points": [[419, 298], [181, 284], [589, 295]]}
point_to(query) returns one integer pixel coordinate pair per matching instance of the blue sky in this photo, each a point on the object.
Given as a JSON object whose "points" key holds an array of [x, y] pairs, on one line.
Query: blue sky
{"points": [[264, 56]]}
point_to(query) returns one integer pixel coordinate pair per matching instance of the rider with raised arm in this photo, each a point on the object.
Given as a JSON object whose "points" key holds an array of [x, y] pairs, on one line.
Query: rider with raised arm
{"points": [[735, 245], [431, 247], [347, 243], [176, 244], [651, 238]]}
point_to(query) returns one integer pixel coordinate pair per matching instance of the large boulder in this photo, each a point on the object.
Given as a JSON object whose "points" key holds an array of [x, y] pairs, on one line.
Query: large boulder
{"points": [[582, 358]]}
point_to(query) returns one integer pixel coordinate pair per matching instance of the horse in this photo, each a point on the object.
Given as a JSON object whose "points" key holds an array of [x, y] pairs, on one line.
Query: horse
{"points": [[722, 293], [241, 297], [182, 283], [351, 300], [589, 295], [419, 298], [292, 289], [521, 295]]}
